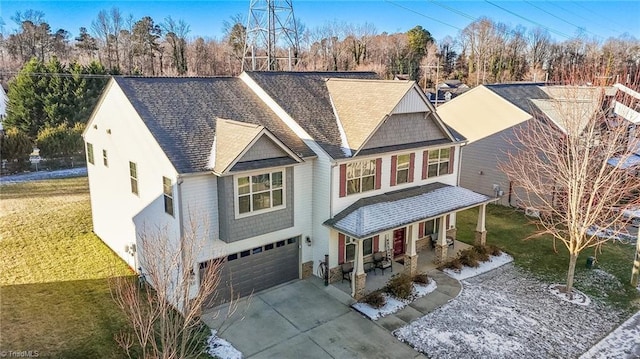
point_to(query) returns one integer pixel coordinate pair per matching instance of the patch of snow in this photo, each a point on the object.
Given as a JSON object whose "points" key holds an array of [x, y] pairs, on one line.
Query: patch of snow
{"points": [[393, 304], [220, 348], [41, 175], [422, 290], [506, 313], [578, 297], [624, 342], [492, 263]]}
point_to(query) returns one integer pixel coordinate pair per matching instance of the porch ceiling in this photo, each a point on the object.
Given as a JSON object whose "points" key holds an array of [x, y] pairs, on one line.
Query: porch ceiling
{"points": [[372, 215]]}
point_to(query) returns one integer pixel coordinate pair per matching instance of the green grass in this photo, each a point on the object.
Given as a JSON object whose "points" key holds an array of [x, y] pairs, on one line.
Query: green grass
{"points": [[508, 229], [54, 291]]}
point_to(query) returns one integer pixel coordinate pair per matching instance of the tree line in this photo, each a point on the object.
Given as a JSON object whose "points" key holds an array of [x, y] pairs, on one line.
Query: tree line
{"points": [[54, 78], [485, 51]]}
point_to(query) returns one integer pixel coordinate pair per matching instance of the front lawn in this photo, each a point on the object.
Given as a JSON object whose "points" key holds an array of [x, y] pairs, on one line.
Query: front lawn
{"points": [[54, 293], [508, 228]]}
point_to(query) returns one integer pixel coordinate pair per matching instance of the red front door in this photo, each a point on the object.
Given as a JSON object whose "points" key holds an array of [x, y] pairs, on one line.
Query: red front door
{"points": [[398, 241]]}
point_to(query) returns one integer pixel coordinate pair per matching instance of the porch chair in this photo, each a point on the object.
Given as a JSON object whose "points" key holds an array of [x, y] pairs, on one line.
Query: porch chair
{"points": [[381, 261], [434, 241], [346, 269]]}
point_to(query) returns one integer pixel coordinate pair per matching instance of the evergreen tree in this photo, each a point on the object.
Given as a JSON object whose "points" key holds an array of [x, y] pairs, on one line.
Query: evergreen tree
{"points": [[52, 94], [15, 147]]}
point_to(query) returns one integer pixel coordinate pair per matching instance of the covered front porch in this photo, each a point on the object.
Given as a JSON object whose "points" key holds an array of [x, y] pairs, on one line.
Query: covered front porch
{"points": [[410, 230], [378, 279]]}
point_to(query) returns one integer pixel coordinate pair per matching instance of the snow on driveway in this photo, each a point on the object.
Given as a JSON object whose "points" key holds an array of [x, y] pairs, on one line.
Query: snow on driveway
{"points": [[622, 343], [40, 175], [506, 313]]}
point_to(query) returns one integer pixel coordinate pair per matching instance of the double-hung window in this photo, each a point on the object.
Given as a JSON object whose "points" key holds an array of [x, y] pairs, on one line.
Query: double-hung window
{"points": [[402, 169], [361, 176], [90, 153], [167, 189], [350, 248], [260, 192], [133, 176], [105, 159], [438, 163]]}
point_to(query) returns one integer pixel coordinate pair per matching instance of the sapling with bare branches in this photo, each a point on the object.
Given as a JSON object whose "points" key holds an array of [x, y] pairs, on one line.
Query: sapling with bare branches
{"points": [[561, 164], [163, 306]]}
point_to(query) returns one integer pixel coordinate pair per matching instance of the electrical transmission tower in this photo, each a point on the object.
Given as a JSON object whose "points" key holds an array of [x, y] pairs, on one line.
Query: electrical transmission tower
{"points": [[272, 36]]}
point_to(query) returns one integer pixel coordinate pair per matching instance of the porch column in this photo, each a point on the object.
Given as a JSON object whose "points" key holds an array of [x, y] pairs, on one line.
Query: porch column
{"points": [[410, 255], [359, 277], [441, 243], [481, 231]]}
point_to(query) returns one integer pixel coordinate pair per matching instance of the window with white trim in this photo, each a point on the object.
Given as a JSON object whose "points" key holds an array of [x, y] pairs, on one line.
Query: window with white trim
{"points": [[361, 176], [350, 248], [90, 153], [260, 192], [105, 160], [167, 189], [429, 227], [402, 168], [438, 162], [133, 176]]}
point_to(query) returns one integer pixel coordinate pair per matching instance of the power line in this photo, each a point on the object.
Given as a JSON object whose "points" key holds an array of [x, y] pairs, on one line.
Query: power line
{"points": [[573, 13], [581, 28], [421, 14], [529, 20], [54, 74], [455, 11], [598, 15]]}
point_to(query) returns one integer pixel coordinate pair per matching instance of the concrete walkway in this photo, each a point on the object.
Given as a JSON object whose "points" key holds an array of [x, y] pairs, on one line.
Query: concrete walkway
{"points": [[305, 319], [448, 288]]}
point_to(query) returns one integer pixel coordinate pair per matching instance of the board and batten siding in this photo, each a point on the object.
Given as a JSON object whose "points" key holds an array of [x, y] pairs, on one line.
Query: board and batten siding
{"points": [[412, 102], [480, 161], [120, 216]]}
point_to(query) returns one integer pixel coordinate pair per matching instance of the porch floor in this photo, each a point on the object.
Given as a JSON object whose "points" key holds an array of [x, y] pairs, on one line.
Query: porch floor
{"points": [[376, 279]]}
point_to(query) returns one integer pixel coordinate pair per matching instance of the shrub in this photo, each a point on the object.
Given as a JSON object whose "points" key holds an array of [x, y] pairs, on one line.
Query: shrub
{"points": [[400, 286], [469, 258], [454, 264], [494, 250], [482, 253], [421, 278], [374, 299]]}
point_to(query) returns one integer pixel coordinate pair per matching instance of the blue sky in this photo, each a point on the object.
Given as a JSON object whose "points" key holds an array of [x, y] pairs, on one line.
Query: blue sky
{"points": [[599, 19]]}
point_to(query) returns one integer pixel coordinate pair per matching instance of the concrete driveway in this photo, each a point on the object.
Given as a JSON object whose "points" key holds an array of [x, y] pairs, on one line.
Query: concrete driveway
{"points": [[304, 319]]}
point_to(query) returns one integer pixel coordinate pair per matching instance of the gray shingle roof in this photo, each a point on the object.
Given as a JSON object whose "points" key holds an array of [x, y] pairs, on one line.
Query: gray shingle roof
{"points": [[520, 94], [372, 215], [304, 96], [181, 114]]}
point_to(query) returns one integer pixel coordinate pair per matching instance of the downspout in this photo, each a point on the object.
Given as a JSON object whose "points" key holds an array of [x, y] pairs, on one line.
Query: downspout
{"points": [[179, 181]]}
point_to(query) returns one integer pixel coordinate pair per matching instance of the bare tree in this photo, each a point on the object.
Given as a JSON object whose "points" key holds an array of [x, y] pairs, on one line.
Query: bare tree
{"points": [[164, 309], [562, 162]]}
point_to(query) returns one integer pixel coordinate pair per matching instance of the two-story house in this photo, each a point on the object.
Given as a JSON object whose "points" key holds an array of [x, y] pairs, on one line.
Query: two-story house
{"points": [[284, 168]]}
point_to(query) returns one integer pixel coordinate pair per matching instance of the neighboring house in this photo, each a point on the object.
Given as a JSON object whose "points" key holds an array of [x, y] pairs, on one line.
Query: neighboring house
{"points": [[284, 167], [489, 116]]}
